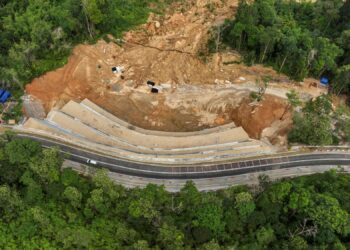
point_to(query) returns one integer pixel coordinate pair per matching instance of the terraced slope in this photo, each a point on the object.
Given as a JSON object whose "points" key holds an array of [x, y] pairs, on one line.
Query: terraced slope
{"points": [[87, 125]]}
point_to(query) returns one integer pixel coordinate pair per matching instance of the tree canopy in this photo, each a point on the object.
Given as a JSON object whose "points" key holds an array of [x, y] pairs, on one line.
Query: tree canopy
{"points": [[45, 207], [298, 38], [37, 35], [319, 123]]}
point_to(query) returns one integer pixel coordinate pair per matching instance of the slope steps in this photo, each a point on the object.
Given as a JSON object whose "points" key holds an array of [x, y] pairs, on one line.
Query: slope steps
{"points": [[81, 124], [107, 126]]}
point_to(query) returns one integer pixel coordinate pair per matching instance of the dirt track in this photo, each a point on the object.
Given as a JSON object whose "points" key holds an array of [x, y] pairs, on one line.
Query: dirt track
{"points": [[165, 51]]}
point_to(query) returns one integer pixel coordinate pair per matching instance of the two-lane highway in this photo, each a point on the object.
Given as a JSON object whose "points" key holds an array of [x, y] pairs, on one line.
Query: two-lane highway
{"points": [[192, 171]]}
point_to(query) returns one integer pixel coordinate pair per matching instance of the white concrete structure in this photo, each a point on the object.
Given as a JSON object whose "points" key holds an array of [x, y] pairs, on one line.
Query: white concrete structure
{"points": [[89, 126]]}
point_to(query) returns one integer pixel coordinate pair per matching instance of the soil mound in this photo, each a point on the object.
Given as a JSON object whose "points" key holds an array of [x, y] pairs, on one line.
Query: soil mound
{"points": [[271, 113]]}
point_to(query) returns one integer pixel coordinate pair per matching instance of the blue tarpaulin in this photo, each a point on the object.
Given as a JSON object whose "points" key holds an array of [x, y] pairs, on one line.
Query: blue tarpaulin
{"points": [[324, 81], [4, 95]]}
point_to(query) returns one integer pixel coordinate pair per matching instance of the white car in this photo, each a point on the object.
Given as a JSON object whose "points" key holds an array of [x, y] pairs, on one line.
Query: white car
{"points": [[89, 161]]}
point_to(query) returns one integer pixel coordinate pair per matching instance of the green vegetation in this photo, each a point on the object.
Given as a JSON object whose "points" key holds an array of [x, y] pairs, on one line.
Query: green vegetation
{"points": [[43, 207], [37, 35], [298, 38], [319, 123], [293, 99], [313, 125], [14, 113], [262, 86]]}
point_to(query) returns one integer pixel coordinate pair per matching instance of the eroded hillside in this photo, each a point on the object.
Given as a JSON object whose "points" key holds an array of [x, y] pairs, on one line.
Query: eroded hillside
{"points": [[194, 93]]}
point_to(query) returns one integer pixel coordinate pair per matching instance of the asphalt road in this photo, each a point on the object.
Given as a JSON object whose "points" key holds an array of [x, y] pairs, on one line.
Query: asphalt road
{"points": [[196, 172]]}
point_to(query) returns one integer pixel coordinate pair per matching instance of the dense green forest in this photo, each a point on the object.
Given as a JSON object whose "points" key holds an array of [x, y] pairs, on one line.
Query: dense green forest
{"points": [[43, 207], [318, 123], [37, 35], [298, 38]]}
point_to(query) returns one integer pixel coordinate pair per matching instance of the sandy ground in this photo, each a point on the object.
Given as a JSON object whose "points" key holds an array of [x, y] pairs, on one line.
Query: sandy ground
{"points": [[165, 50]]}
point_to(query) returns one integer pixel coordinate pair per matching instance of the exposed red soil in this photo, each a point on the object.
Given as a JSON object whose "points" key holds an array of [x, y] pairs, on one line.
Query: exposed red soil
{"points": [[255, 118]]}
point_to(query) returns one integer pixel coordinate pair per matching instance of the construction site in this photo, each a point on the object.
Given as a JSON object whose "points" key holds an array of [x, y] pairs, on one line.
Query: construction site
{"points": [[150, 97]]}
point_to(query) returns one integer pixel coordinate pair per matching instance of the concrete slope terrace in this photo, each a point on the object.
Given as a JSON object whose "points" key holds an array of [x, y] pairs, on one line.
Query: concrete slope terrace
{"points": [[89, 126]]}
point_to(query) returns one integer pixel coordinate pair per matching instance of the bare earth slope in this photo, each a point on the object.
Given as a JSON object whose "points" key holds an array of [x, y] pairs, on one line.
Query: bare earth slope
{"points": [[194, 94]]}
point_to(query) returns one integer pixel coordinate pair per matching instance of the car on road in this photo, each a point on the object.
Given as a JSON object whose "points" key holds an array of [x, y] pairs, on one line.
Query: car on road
{"points": [[93, 162]]}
